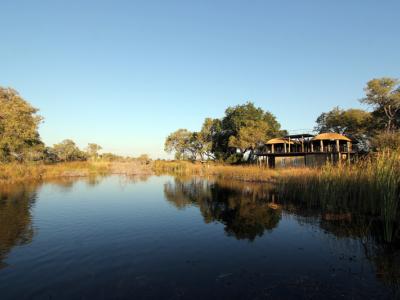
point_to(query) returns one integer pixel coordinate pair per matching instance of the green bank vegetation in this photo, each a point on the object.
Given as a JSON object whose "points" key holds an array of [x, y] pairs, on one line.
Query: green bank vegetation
{"points": [[23, 155], [245, 128], [221, 143]]}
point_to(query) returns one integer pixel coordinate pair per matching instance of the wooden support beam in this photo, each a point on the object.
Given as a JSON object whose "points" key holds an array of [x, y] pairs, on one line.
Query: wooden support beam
{"points": [[322, 145]]}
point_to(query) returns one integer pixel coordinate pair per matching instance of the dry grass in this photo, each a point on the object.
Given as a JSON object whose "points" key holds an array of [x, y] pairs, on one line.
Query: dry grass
{"points": [[17, 172], [244, 173]]}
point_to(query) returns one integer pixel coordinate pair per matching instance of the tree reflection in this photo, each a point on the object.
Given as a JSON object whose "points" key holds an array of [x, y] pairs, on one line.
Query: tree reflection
{"points": [[15, 217], [358, 218], [248, 210], [241, 207]]}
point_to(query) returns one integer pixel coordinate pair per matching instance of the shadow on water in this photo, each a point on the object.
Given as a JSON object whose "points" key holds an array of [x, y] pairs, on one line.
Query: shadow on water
{"points": [[249, 210]]}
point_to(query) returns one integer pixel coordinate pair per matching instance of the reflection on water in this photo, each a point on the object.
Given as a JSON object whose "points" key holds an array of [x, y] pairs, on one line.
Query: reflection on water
{"points": [[15, 217], [141, 237], [245, 210], [249, 209]]}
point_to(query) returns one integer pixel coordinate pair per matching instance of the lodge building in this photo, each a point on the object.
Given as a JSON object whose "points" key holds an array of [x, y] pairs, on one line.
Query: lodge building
{"points": [[306, 150]]}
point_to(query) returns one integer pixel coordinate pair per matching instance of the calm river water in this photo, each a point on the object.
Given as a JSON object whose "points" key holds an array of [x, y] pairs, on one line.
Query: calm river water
{"points": [[170, 238]]}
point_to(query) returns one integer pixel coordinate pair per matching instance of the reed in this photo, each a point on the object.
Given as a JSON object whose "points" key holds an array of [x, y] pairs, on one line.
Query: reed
{"points": [[17, 172], [224, 171], [370, 186]]}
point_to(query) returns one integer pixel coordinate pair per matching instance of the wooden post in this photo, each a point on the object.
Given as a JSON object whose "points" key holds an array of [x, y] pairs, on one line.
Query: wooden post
{"points": [[312, 146], [322, 145], [349, 147], [302, 144], [273, 148], [284, 146], [337, 146], [289, 145], [348, 151]]}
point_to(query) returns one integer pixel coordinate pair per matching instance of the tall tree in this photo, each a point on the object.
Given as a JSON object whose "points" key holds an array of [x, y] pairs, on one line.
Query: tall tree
{"points": [[206, 138], [19, 123], [245, 126], [182, 143], [384, 95], [250, 136]]}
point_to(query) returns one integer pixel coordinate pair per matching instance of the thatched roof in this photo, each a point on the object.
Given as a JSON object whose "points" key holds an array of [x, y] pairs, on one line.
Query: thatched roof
{"points": [[331, 136], [279, 141]]}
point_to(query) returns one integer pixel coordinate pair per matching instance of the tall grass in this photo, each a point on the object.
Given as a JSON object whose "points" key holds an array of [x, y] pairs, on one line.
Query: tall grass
{"points": [[16, 172], [370, 186], [223, 171]]}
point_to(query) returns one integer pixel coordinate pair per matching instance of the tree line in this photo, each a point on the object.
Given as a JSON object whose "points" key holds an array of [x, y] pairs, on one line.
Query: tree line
{"points": [[20, 139], [245, 128]]}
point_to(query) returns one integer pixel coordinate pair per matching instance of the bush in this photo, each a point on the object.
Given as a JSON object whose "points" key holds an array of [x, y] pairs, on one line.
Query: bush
{"points": [[386, 140]]}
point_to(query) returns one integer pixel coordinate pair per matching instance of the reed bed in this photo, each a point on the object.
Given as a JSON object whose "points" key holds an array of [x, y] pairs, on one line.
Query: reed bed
{"points": [[251, 173], [370, 187], [18, 172]]}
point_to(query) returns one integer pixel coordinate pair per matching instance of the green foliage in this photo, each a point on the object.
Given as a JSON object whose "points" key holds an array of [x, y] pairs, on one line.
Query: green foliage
{"points": [[67, 150], [386, 140], [180, 143], [355, 123], [249, 136], [19, 122], [383, 94], [234, 158], [244, 127], [92, 150]]}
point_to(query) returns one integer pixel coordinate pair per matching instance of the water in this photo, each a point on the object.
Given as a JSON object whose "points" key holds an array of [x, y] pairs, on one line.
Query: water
{"points": [[168, 238]]}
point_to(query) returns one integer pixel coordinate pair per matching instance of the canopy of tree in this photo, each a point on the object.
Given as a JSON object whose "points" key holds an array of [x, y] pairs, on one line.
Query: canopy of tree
{"points": [[19, 122], [243, 128], [379, 128], [384, 96], [68, 151], [355, 123]]}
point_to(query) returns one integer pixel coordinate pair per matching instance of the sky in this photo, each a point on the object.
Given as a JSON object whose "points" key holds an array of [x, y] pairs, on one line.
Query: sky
{"points": [[125, 74]]}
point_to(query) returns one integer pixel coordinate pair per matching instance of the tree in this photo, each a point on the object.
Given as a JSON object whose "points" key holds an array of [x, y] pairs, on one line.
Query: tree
{"points": [[245, 126], [68, 151], [92, 150], [250, 136], [19, 123], [386, 140], [181, 142], [206, 138], [384, 94], [352, 122], [238, 116]]}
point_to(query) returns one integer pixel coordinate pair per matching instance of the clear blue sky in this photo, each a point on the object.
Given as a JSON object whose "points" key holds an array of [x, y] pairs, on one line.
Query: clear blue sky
{"points": [[124, 74]]}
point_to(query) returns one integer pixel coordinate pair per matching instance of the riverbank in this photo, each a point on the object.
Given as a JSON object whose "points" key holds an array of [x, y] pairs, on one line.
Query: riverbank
{"points": [[251, 173], [17, 172]]}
